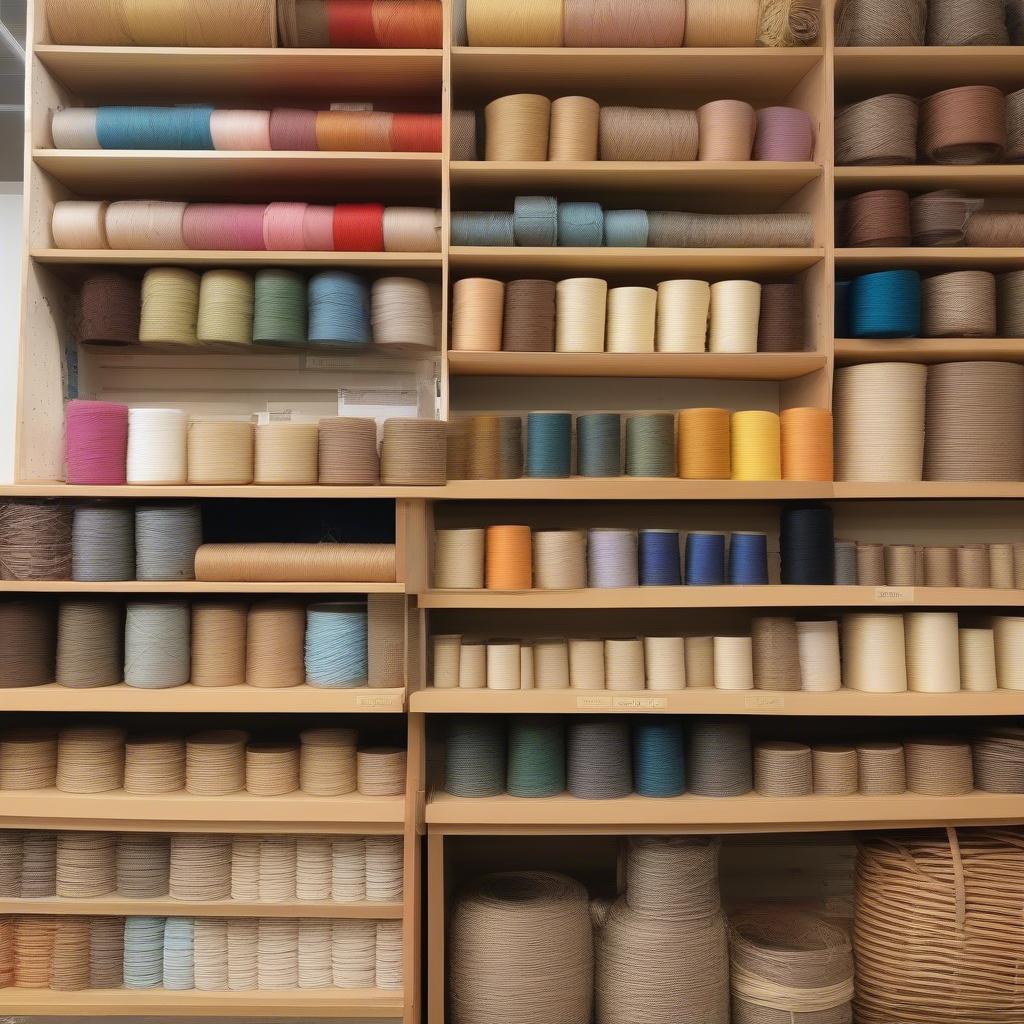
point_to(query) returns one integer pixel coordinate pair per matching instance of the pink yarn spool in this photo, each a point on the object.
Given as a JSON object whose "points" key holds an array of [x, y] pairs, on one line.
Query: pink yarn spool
{"points": [[240, 129], [293, 129], [783, 133], [229, 226], [318, 228], [96, 438], [283, 227]]}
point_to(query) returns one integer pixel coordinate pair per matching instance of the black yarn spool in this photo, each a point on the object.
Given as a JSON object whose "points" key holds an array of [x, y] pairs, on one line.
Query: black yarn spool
{"points": [[475, 756], [599, 765], [807, 544], [719, 757]]}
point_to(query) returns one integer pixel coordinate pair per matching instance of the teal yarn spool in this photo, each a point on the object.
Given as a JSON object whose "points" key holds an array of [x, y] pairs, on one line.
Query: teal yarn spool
{"points": [[599, 444], [279, 315], [475, 756], [536, 756], [535, 220], [154, 127], [626, 229], [651, 444], [658, 756], [549, 444], [580, 224], [336, 645]]}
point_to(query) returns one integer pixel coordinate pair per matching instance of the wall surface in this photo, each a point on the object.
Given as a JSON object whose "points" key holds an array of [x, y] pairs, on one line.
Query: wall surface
{"points": [[10, 316]]}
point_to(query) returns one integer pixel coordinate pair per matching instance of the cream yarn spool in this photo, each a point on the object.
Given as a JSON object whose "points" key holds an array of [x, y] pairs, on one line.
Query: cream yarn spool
{"points": [[550, 664], [79, 224], [473, 665], [978, 660], [447, 654], [459, 559], [933, 652], [734, 663], [735, 312], [874, 652], [146, 224], [700, 662], [624, 664], [1009, 640], [226, 301], [574, 129], [665, 662], [632, 313], [818, 650], [286, 453], [74, 128], [402, 315], [586, 664], [559, 559], [517, 127], [477, 311], [170, 306], [503, 665], [221, 452], [157, 446], [580, 305], [682, 315]]}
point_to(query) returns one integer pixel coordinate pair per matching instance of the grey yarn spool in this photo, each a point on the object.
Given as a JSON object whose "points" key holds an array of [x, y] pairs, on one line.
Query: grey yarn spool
{"points": [[719, 758], [651, 444], [475, 756], [103, 544], [166, 539], [89, 635], [157, 652], [845, 566], [599, 758]]}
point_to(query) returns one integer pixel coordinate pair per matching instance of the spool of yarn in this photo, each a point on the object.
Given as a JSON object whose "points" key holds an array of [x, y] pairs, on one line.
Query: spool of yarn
{"points": [[780, 324], [782, 768], [659, 558], [326, 562], [35, 540], [879, 130], [90, 759], [711, 24], [874, 652], [218, 641], [156, 644], [726, 130], [881, 768], [1009, 638], [88, 645], [835, 769], [880, 217], [705, 559], [509, 558], [1015, 127], [481, 228], [665, 662], [475, 756], [226, 299], [27, 657], [535, 220], [536, 756], [748, 559], [626, 229], [1000, 560], [549, 444], [580, 314], [463, 143], [959, 304], [734, 665], [170, 306], [413, 452], [517, 127], [275, 636], [108, 309], [550, 664], [845, 563], [682, 315], [648, 134], [279, 307], [719, 757], [964, 125], [806, 545], [240, 129], [477, 318], [215, 762], [998, 763], [704, 444], [669, 229], [559, 559], [995, 229], [459, 559], [940, 566], [528, 322], [938, 767], [933, 652], [818, 653], [339, 309], [650, 445], [785, 134], [580, 224], [402, 315], [224, 226], [79, 224], [220, 451], [775, 653], [74, 128], [886, 304], [489, 23], [411, 229], [154, 764], [658, 756], [504, 666], [157, 446], [871, 565], [940, 218], [286, 453], [624, 664], [885, 23], [756, 446], [598, 444], [166, 540], [899, 565], [336, 645], [1010, 294], [612, 558], [598, 758], [631, 319], [735, 308], [484, 455], [574, 129], [347, 451], [96, 442], [146, 224], [807, 445], [586, 664]]}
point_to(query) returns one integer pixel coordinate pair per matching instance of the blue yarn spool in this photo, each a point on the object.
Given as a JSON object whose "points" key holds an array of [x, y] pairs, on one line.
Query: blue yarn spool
{"points": [[154, 127], [748, 559], [535, 220], [599, 444], [336, 639], [626, 229], [339, 310], [473, 227], [143, 952], [549, 444], [658, 756], [580, 224], [659, 558], [705, 559], [842, 325], [885, 305], [179, 957]]}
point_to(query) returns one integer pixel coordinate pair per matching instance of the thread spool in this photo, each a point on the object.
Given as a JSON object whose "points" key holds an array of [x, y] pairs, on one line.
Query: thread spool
{"points": [[586, 664], [477, 317], [659, 558], [881, 130], [748, 559], [650, 445], [509, 558], [170, 306], [704, 446], [336, 645], [559, 559], [146, 224], [899, 565], [166, 540], [959, 304], [886, 304], [580, 225], [517, 127], [1000, 560], [719, 758], [157, 446], [933, 652], [481, 228], [735, 309], [475, 756], [775, 653], [726, 130], [90, 759], [756, 446], [220, 451], [279, 307], [35, 540], [549, 444], [484, 455], [463, 144], [598, 444], [402, 315], [612, 558], [580, 310], [940, 566], [845, 563], [782, 768], [473, 666], [871, 565], [598, 758], [631, 319], [275, 635], [626, 229], [630, 24], [780, 323], [806, 545], [1010, 297], [624, 664], [339, 310], [240, 129], [154, 764], [491, 24], [27, 658], [964, 125], [550, 664], [503, 666], [941, 217], [682, 315], [874, 652], [535, 220], [658, 756], [880, 217], [215, 762], [818, 654], [528, 323], [734, 666], [79, 224], [96, 442], [834, 768], [705, 558], [573, 129], [88, 644], [108, 309], [784, 134], [665, 662], [807, 444], [881, 768], [218, 641], [648, 134], [156, 644], [938, 766], [286, 453], [893, 23], [536, 756], [226, 301]]}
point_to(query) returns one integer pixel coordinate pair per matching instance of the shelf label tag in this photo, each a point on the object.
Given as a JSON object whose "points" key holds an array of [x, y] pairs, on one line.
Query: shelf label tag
{"points": [[585, 703], [378, 700], [640, 703], [765, 702], [894, 595]]}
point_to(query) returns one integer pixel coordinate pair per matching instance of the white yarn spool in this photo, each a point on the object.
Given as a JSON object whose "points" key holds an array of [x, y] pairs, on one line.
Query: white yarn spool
{"points": [[447, 654], [79, 224], [580, 305], [682, 323], [503, 666], [665, 662], [978, 660], [624, 664], [551, 664], [586, 664], [1009, 637], [473, 666], [933, 652], [700, 662], [874, 652], [632, 314], [74, 128], [734, 663], [157, 446], [818, 649], [735, 311]]}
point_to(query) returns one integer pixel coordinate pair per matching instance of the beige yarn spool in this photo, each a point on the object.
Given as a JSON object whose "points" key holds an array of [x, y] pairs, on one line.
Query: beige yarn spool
{"points": [[899, 565], [90, 759], [386, 641], [940, 567], [682, 315], [939, 767], [713, 23], [404, 314], [648, 134], [145, 224], [550, 664], [275, 644], [933, 652], [782, 768], [271, 769], [775, 653], [503, 666], [459, 559], [871, 565], [818, 653], [447, 652], [624, 664], [580, 304], [327, 761], [1010, 295], [559, 559], [286, 453], [879, 130], [586, 664], [413, 452], [473, 665], [972, 566], [218, 643], [959, 304], [574, 127], [881, 768], [734, 665], [1009, 640], [380, 771], [700, 662], [478, 303], [79, 224], [1000, 565], [170, 306], [221, 451], [665, 662], [226, 299], [154, 764], [631, 319], [874, 652], [977, 660], [215, 762], [835, 769], [517, 127], [735, 312], [726, 130]]}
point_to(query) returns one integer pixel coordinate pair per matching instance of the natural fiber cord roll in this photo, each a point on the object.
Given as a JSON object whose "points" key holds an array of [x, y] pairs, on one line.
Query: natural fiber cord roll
{"points": [[574, 129], [495, 23], [704, 444], [220, 451], [874, 652], [286, 453], [218, 642], [880, 130], [327, 562], [517, 127]]}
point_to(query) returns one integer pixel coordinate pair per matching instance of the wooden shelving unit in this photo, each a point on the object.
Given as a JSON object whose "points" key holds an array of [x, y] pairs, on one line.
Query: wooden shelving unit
{"points": [[120, 906]]}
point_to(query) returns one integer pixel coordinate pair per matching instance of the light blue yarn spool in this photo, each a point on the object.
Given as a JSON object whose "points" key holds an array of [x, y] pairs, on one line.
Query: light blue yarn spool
{"points": [[143, 952], [580, 224], [339, 310], [474, 227], [336, 645], [179, 956], [154, 127], [535, 220], [157, 648], [625, 229]]}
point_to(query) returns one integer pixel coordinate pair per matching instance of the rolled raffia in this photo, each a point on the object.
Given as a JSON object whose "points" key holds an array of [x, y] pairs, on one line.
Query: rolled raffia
{"points": [[574, 129], [35, 540], [729, 230], [975, 421], [965, 125], [517, 127], [713, 23], [941, 217], [413, 452], [511, 926], [347, 451], [782, 768], [879, 130], [27, 651], [881, 22], [995, 229], [312, 563], [959, 304], [878, 218], [641, 133], [966, 23], [938, 766], [1010, 298], [624, 23]]}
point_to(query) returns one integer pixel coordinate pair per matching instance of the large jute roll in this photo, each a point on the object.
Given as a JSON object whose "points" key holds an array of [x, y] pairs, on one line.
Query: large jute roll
{"points": [[512, 926], [310, 563], [879, 413], [874, 652], [879, 130], [975, 421]]}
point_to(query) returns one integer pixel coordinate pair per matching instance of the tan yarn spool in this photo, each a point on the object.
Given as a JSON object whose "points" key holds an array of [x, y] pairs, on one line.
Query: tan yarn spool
{"points": [[473, 665], [413, 452], [447, 655], [327, 761], [941, 217], [967, 23], [881, 22], [1010, 292], [386, 641], [459, 559], [381, 771], [899, 565], [483, 454], [85, 865], [1015, 127], [271, 769], [497, 23], [559, 559], [226, 299], [28, 759], [154, 764], [874, 652], [995, 229], [404, 314], [70, 971], [586, 664], [782, 768], [574, 129], [978, 660], [463, 135], [347, 451], [834, 769], [478, 304], [215, 762], [221, 452], [89, 644], [960, 304], [580, 306], [665, 662], [285, 563], [682, 315], [1009, 640], [965, 125], [1000, 565], [200, 867], [940, 567], [652, 134], [939, 767], [275, 644], [727, 130], [999, 761], [517, 127], [218, 643], [624, 664], [972, 566], [550, 664], [933, 652], [286, 453], [881, 768], [775, 653], [624, 23], [90, 759], [714, 23], [879, 130]]}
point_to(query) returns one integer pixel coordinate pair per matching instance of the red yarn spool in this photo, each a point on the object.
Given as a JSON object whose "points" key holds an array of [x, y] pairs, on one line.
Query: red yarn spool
{"points": [[359, 227], [416, 133], [350, 24]]}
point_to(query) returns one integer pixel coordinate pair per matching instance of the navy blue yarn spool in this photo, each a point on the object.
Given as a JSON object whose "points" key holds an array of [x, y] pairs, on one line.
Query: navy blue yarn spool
{"points": [[339, 310], [549, 444], [659, 558], [842, 326], [705, 559], [599, 444], [748, 559], [807, 544], [475, 756], [580, 224], [659, 756], [154, 127], [886, 304]]}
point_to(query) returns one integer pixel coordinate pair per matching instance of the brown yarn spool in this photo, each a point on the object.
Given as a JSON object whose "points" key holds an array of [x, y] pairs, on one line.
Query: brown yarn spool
{"points": [[727, 129], [1010, 300], [941, 217], [835, 769], [529, 316], [881, 768], [623, 23], [940, 567], [782, 768], [1015, 21], [879, 130], [510, 447], [109, 304], [961, 304], [939, 766], [780, 326], [218, 643], [966, 23], [881, 22], [35, 540], [347, 451], [464, 135], [1015, 127], [900, 568], [641, 133], [878, 218], [413, 452], [972, 566], [484, 448], [326, 562], [965, 125], [89, 643], [517, 127], [871, 565], [457, 449], [275, 644], [995, 229], [271, 769], [775, 653], [574, 129], [27, 653], [106, 952]]}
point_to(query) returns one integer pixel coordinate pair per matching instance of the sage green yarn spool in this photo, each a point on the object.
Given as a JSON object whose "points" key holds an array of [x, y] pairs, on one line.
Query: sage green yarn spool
{"points": [[651, 444], [536, 756], [280, 314]]}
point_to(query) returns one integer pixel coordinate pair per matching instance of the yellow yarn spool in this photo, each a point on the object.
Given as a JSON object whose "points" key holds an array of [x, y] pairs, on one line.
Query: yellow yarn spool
{"points": [[756, 445], [501, 23]]}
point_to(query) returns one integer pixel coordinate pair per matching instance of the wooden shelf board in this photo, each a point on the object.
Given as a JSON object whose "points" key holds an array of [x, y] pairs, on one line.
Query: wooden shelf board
{"points": [[920, 70], [190, 699], [53, 489], [325, 1003], [900, 490], [178, 812], [696, 261], [633, 489], [983, 179], [963, 257], [193, 587], [105, 73], [218, 258], [122, 906], [332, 177], [841, 703], [927, 350], [751, 813], [695, 365]]}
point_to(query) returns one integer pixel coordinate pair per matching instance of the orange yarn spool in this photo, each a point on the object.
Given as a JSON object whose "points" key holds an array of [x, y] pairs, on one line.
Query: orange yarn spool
{"points": [[703, 444], [353, 131], [806, 444], [509, 558]]}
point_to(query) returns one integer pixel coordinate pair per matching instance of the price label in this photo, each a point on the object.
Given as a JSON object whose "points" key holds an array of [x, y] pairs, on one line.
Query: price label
{"points": [[894, 595], [378, 700]]}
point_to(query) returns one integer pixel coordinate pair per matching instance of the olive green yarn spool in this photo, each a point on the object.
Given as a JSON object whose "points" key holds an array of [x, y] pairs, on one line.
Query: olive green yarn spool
{"points": [[280, 314], [651, 444]]}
